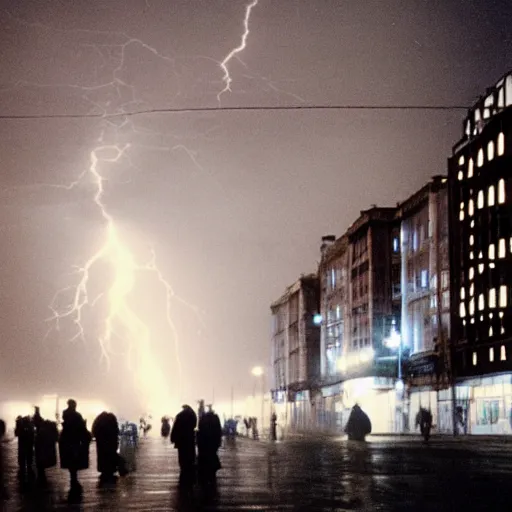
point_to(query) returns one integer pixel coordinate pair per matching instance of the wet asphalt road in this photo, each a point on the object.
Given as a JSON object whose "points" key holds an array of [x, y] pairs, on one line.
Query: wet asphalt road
{"points": [[329, 474]]}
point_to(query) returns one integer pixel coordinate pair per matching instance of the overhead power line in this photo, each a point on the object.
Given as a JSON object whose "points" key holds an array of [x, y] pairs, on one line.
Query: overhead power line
{"points": [[186, 110]]}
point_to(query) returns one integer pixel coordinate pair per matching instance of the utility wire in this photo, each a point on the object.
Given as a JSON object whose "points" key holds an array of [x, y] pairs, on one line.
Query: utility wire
{"points": [[185, 110]]}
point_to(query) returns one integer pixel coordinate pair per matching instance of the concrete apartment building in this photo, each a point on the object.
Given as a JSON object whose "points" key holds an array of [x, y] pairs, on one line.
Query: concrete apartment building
{"points": [[295, 352], [480, 185]]}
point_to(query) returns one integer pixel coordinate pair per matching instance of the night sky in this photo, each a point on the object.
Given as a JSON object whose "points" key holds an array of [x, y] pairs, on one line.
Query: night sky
{"points": [[233, 203]]}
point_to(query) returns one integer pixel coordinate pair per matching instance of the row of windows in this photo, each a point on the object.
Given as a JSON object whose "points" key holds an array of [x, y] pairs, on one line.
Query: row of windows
{"points": [[480, 159], [503, 355], [480, 202], [491, 253], [502, 294]]}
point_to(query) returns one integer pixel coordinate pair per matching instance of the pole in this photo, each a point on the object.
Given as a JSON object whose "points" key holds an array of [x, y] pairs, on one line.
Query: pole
{"points": [[232, 399]]}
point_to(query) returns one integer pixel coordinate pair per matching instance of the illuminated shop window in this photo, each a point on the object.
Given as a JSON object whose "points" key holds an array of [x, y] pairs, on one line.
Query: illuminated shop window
{"points": [[480, 158], [462, 310], [501, 144], [475, 360], [481, 302], [492, 299], [502, 248], [492, 252], [480, 199], [503, 298], [491, 352], [503, 353], [461, 160], [490, 196], [501, 191], [481, 268], [470, 168], [471, 207], [490, 150], [471, 307]]}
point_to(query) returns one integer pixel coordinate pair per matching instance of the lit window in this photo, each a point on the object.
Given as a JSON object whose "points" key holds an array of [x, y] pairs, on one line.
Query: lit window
{"points": [[503, 297], [492, 299], [471, 240], [471, 207], [502, 330], [481, 318], [501, 191], [510, 244], [424, 278], [472, 320], [501, 144], [474, 359], [463, 322], [492, 265], [490, 315], [480, 158], [462, 293], [471, 307], [480, 199], [461, 160], [472, 224], [492, 254], [471, 273], [462, 310], [481, 268], [501, 314], [490, 196], [462, 205], [472, 290], [461, 215], [470, 168], [502, 248], [471, 255], [491, 350], [490, 334], [480, 255], [490, 150], [503, 353], [395, 244], [481, 302], [460, 176]]}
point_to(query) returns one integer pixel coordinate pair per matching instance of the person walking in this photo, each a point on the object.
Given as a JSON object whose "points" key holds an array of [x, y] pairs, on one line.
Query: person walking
{"points": [[183, 438], [105, 430], [209, 440]]}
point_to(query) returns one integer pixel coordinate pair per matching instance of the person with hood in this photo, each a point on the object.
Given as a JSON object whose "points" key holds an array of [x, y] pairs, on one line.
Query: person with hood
{"points": [[74, 444], [358, 425], [183, 438], [209, 440], [105, 430]]}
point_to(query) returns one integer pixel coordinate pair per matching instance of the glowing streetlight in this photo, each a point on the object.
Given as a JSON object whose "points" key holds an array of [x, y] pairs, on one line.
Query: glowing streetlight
{"points": [[257, 371]]}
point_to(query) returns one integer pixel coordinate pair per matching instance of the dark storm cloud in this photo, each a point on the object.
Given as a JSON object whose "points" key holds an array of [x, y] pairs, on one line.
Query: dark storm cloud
{"points": [[234, 203]]}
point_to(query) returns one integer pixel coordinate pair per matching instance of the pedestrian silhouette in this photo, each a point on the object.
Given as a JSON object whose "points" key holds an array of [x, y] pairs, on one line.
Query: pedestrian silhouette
{"points": [[166, 427], [24, 431], [45, 444], [358, 425], [74, 445], [105, 430], [209, 440], [183, 438]]}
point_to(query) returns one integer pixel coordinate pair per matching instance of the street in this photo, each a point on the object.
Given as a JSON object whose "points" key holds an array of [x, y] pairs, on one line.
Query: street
{"points": [[392, 474]]}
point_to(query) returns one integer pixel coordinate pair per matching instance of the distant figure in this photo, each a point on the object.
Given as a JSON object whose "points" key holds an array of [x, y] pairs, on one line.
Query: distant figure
{"points": [[273, 427], [106, 432], [247, 424], [183, 438], [74, 444], [209, 440], [165, 430], [24, 431], [45, 444], [358, 425], [424, 421], [3, 490], [145, 426], [230, 426], [200, 410], [254, 428], [128, 445]]}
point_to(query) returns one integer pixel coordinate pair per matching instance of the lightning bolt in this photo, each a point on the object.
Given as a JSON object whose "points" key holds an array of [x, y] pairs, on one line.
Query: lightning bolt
{"points": [[233, 53]]}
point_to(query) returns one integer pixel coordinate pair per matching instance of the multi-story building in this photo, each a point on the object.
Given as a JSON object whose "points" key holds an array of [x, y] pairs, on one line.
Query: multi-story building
{"points": [[480, 185], [357, 316], [296, 351], [425, 299]]}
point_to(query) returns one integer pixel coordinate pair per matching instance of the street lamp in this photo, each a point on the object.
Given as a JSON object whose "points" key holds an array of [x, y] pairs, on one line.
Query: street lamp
{"points": [[394, 342], [259, 372]]}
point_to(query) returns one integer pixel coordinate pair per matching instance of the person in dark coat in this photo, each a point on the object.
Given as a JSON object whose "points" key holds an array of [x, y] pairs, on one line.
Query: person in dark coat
{"points": [[45, 444], [358, 425], [209, 440], [105, 429], [24, 431], [183, 438], [74, 443], [166, 427]]}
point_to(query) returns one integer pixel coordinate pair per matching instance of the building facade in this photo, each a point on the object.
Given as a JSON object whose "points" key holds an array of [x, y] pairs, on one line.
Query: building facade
{"points": [[480, 184], [295, 352]]}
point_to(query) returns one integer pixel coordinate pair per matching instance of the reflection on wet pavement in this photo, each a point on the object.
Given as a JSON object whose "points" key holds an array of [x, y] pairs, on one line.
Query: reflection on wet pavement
{"points": [[320, 474]]}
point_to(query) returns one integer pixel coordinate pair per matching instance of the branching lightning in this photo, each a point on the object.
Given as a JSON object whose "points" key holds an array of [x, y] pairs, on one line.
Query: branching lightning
{"points": [[233, 53]]}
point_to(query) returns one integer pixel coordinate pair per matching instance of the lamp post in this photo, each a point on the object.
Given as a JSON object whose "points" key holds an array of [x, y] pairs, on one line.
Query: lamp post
{"points": [[259, 373], [394, 342]]}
